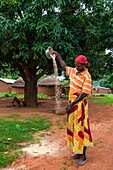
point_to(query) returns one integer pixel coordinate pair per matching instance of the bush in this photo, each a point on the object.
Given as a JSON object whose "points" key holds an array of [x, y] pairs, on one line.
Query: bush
{"points": [[5, 95], [13, 94], [42, 96]]}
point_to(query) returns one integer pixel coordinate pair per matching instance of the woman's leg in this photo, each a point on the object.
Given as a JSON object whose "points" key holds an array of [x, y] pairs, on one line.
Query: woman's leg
{"points": [[82, 160]]}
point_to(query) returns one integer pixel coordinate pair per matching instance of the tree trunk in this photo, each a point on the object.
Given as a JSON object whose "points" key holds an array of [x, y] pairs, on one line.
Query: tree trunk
{"points": [[30, 92], [111, 91]]}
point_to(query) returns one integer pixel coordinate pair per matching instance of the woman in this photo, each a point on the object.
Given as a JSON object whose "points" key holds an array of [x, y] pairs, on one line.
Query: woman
{"points": [[78, 129]]}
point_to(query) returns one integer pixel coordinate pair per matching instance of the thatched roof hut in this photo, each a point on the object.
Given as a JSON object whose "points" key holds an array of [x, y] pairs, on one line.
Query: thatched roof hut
{"points": [[47, 86], [49, 81], [18, 86], [19, 83]]}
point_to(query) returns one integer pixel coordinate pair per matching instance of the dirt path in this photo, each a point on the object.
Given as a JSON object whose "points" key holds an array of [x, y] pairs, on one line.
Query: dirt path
{"points": [[54, 148]]}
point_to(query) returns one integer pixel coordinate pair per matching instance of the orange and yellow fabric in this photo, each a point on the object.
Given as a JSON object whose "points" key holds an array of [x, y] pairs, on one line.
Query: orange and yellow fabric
{"points": [[79, 82], [78, 127]]}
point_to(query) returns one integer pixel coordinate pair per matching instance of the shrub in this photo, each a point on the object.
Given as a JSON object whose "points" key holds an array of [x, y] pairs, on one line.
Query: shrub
{"points": [[42, 96]]}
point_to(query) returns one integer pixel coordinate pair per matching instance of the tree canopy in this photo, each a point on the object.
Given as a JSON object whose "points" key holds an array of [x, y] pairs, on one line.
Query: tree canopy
{"points": [[71, 27], [107, 81]]}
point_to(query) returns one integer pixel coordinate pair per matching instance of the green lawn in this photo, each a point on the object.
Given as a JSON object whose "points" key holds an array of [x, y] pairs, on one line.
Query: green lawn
{"points": [[106, 99], [15, 134]]}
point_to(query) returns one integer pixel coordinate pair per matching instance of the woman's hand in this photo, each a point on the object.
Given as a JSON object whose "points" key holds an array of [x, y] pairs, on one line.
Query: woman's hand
{"points": [[69, 107], [59, 58], [56, 53]]}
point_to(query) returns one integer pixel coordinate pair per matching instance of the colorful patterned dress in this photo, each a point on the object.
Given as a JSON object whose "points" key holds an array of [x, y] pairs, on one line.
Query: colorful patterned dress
{"points": [[78, 128]]}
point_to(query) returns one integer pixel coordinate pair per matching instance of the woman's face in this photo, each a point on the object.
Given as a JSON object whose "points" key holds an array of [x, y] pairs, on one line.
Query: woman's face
{"points": [[79, 66]]}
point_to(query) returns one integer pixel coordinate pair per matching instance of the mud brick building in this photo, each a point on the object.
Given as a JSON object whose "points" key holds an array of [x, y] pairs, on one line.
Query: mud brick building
{"points": [[6, 85]]}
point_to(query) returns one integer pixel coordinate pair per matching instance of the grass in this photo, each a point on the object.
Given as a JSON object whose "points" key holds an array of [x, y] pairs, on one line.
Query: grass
{"points": [[60, 124], [14, 94], [63, 168], [15, 134], [106, 99], [14, 116]]}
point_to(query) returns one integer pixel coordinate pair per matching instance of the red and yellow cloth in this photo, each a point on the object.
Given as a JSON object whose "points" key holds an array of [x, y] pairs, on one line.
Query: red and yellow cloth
{"points": [[78, 128]]}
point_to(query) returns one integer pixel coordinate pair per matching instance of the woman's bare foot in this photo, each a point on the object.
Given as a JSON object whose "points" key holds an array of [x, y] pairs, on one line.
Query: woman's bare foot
{"points": [[81, 161], [76, 156]]}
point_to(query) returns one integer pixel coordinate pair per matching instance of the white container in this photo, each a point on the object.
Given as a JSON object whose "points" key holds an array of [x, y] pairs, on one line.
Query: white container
{"points": [[49, 52]]}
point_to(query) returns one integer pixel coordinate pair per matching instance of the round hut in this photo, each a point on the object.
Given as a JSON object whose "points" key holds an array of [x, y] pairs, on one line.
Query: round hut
{"points": [[18, 86], [47, 86]]}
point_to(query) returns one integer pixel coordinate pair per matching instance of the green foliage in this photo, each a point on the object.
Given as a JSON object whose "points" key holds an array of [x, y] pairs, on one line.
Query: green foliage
{"points": [[6, 159], [30, 31], [42, 96], [64, 82], [106, 99], [89, 30], [21, 96], [28, 28], [9, 73], [4, 95], [44, 76], [107, 81], [96, 83], [14, 133], [14, 94]]}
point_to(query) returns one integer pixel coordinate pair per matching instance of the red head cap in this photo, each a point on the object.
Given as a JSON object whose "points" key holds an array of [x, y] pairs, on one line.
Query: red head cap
{"points": [[82, 59]]}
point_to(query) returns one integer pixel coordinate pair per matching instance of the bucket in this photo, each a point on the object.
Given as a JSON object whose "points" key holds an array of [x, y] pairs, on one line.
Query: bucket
{"points": [[49, 52], [61, 111]]}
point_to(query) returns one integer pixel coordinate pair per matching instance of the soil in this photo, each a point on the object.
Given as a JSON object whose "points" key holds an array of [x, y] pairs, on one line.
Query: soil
{"points": [[54, 152]]}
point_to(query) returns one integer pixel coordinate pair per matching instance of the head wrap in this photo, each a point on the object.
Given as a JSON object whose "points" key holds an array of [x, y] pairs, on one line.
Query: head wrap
{"points": [[82, 59]]}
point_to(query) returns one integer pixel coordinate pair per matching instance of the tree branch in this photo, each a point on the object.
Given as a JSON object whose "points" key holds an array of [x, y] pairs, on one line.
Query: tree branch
{"points": [[41, 74], [20, 13]]}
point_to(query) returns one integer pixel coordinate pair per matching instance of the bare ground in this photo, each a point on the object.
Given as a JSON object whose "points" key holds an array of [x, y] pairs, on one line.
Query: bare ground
{"points": [[100, 156]]}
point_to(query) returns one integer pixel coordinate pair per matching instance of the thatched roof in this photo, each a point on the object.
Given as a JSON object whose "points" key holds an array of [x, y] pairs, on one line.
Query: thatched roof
{"points": [[49, 81], [19, 83]]}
